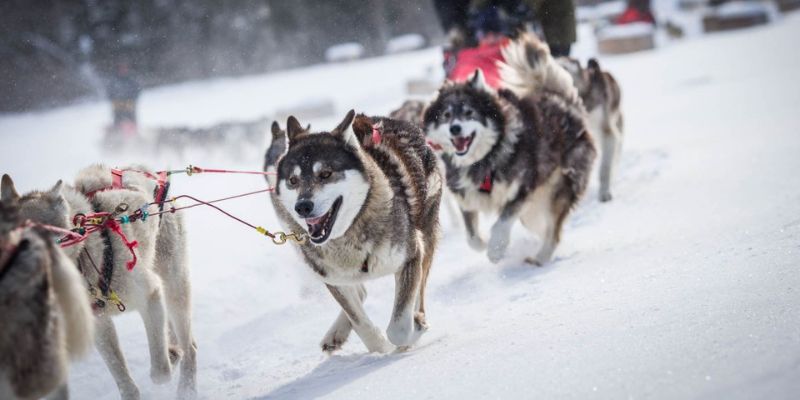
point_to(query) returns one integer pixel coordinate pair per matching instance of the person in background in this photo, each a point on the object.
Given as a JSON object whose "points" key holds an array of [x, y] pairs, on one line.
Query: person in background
{"points": [[465, 21], [123, 91], [637, 11]]}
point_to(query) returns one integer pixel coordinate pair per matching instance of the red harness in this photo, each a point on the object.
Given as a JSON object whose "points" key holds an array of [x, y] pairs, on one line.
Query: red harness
{"points": [[488, 180]]}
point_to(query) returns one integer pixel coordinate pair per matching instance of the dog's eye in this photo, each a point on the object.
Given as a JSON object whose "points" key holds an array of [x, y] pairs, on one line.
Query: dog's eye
{"points": [[468, 113], [447, 115], [325, 174], [293, 180]]}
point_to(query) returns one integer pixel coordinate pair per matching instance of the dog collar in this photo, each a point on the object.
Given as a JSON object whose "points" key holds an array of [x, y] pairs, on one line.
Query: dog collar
{"points": [[488, 180], [116, 183]]}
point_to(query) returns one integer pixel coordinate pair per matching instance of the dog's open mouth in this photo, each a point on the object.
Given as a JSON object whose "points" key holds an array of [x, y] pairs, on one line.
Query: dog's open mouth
{"points": [[462, 143], [319, 228]]}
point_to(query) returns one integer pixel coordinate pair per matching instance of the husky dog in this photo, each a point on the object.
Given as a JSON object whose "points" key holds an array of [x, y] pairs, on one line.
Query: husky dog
{"points": [[367, 197], [46, 315], [601, 96], [157, 287], [521, 152]]}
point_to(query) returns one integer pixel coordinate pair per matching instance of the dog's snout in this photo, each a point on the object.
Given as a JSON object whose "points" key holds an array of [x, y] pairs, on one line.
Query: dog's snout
{"points": [[455, 129], [304, 207]]}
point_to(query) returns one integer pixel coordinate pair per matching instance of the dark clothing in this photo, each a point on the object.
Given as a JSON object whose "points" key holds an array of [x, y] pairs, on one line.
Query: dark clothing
{"points": [[123, 91], [556, 17]]}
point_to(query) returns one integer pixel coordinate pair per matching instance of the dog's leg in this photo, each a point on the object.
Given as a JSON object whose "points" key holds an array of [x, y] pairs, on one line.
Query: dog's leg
{"points": [[610, 142], [341, 328], [179, 305], [500, 238], [348, 297], [501, 230], [155, 324], [473, 235], [553, 224], [108, 347], [402, 330]]}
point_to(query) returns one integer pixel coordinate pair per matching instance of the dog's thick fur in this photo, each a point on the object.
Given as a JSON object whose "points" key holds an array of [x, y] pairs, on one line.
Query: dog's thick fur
{"points": [[46, 315], [528, 141], [602, 98], [383, 198], [158, 287], [276, 150]]}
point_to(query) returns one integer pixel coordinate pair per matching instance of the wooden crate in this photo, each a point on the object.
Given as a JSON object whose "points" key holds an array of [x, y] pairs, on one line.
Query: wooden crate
{"points": [[713, 23], [622, 45]]}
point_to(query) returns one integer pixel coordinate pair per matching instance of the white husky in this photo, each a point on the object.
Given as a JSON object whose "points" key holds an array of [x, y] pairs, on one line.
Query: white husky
{"points": [[157, 287]]}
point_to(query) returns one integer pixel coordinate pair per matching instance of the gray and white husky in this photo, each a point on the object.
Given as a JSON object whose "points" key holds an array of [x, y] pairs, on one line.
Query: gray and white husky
{"points": [[46, 315], [366, 195], [158, 287], [521, 152], [602, 98]]}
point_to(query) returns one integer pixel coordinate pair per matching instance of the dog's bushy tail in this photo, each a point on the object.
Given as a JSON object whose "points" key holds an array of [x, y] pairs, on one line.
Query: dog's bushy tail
{"points": [[71, 296], [529, 69]]}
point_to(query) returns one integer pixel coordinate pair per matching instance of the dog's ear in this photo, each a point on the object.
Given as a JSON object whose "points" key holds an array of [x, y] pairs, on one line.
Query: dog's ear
{"points": [[593, 70], [345, 129], [293, 128], [362, 127], [478, 81], [276, 130], [56, 189], [7, 189]]}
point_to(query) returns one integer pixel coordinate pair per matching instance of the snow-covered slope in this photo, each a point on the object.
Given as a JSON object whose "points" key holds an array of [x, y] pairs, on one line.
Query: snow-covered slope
{"points": [[686, 285]]}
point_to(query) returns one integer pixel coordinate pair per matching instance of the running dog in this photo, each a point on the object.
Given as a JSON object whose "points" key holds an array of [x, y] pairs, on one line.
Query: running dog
{"points": [[522, 152], [601, 96], [46, 315], [366, 195], [158, 286]]}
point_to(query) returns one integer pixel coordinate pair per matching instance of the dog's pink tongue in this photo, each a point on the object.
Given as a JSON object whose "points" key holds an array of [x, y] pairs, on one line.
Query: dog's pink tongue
{"points": [[315, 221], [461, 143]]}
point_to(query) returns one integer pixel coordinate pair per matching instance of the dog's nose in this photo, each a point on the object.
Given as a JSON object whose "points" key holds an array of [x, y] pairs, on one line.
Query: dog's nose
{"points": [[455, 129], [304, 207]]}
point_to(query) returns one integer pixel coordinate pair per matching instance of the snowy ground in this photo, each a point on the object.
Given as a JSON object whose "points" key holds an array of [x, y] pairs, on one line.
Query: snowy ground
{"points": [[685, 286]]}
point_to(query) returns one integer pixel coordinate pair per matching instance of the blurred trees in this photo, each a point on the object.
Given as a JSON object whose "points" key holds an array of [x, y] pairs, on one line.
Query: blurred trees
{"points": [[55, 51]]}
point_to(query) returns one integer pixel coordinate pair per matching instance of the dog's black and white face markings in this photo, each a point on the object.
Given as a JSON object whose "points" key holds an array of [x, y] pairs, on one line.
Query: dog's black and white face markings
{"points": [[321, 179], [464, 120]]}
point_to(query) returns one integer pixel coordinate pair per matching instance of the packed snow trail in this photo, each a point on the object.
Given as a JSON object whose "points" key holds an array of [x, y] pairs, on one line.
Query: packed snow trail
{"points": [[684, 286]]}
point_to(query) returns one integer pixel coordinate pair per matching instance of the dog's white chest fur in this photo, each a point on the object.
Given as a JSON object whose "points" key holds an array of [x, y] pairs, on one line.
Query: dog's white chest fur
{"points": [[351, 266], [476, 200]]}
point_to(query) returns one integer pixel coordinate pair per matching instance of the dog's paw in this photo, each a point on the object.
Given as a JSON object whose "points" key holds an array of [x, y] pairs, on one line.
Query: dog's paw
{"points": [[404, 333], [497, 249], [476, 243], [605, 197], [160, 374], [332, 343]]}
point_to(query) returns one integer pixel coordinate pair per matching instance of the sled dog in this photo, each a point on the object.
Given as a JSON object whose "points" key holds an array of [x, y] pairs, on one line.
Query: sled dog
{"points": [[602, 97], [46, 315], [521, 152], [366, 195], [157, 287]]}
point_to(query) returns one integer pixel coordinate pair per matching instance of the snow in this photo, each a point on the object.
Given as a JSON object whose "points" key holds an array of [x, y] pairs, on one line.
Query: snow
{"points": [[741, 9], [344, 52], [684, 286], [407, 42]]}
